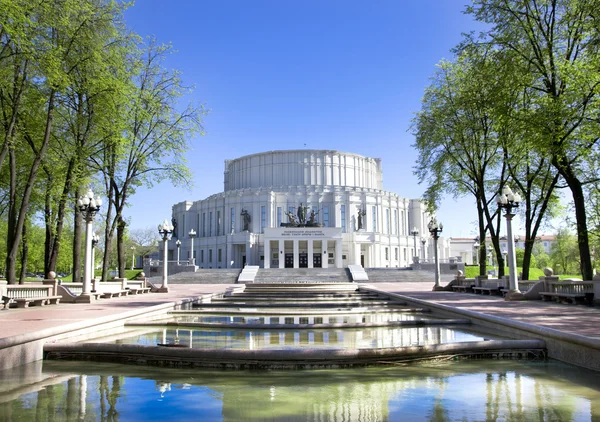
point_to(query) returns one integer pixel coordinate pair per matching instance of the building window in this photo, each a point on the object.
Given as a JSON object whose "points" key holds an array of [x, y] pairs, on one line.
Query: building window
{"points": [[343, 217], [232, 227], [279, 216], [218, 223], [220, 255], [387, 254], [402, 224], [387, 221], [374, 219], [203, 224], [263, 218], [396, 223], [404, 253], [326, 216], [396, 254], [210, 255], [183, 224], [202, 256]]}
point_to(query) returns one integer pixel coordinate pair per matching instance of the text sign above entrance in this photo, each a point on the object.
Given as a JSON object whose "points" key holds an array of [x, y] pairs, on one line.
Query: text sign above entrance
{"points": [[303, 233], [317, 233]]}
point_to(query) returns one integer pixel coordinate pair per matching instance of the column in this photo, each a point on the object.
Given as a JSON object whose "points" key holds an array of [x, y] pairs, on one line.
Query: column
{"points": [[296, 254], [339, 262], [357, 253], [249, 260], [267, 253], [325, 262], [230, 258], [281, 253], [310, 253]]}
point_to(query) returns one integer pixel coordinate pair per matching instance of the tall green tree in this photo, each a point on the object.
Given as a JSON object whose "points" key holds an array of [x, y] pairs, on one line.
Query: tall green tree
{"points": [[457, 140], [557, 41], [47, 45], [155, 138]]}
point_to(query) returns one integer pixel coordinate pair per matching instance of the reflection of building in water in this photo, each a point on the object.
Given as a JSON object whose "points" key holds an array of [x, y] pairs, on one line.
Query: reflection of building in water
{"points": [[350, 338], [301, 209], [508, 390]]}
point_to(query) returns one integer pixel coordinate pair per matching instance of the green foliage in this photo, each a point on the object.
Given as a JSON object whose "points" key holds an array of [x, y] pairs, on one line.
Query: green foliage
{"points": [[564, 253]]}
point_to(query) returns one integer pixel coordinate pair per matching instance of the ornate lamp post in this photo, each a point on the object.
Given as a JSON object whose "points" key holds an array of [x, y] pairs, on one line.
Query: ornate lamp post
{"points": [[178, 244], [508, 201], [435, 229], [192, 234], [415, 233], [423, 242], [476, 251], [88, 206], [165, 230], [95, 240], [132, 257]]}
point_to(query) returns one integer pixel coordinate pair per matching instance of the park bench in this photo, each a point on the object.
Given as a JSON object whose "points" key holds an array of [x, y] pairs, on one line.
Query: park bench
{"points": [[137, 287], [490, 287], [463, 285], [569, 292], [70, 291], [524, 286], [24, 295]]}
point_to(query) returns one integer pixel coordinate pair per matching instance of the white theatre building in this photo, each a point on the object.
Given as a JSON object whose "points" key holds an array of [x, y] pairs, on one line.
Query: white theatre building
{"points": [[301, 209]]}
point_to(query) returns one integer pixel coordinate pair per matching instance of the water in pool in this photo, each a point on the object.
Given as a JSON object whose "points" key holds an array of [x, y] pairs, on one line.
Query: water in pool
{"points": [[433, 391]]}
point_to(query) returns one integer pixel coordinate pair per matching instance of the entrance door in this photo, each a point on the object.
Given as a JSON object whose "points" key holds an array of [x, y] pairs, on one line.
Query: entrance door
{"points": [[243, 261], [303, 260], [289, 260], [362, 261], [317, 260]]}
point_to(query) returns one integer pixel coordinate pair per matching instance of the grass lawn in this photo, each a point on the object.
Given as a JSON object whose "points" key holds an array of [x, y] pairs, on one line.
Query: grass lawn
{"points": [[471, 271]]}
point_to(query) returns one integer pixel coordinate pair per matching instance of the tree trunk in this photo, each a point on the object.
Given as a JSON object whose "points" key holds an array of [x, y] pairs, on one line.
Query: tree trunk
{"points": [[481, 249], [587, 272], [24, 254], [11, 222], [60, 219], [121, 226], [77, 233], [26, 195]]}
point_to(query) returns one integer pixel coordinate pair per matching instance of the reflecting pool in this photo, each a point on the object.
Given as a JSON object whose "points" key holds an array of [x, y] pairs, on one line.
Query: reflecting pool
{"points": [[263, 339], [441, 391]]}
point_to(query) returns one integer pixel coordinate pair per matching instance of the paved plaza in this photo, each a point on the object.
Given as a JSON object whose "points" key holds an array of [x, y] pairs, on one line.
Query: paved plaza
{"points": [[36, 322]]}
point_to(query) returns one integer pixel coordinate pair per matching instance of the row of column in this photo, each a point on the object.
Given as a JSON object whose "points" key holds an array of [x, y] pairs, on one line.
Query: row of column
{"points": [[296, 251]]}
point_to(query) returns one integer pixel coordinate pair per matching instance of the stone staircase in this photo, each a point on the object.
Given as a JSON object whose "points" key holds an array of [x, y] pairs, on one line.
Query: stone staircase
{"points": [[302, 275], [396, 275], [205, 276]]}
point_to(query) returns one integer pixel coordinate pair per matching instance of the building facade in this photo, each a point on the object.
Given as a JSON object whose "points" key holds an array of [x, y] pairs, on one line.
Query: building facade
{"points": [[301, 209]]}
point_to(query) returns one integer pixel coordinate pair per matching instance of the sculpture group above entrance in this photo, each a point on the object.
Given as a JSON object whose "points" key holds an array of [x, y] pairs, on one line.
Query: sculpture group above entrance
{"points": [[300, 219]]}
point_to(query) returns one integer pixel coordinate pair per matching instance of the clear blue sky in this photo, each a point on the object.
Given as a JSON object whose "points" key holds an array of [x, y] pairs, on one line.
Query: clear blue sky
{"points": [[346, 75]]}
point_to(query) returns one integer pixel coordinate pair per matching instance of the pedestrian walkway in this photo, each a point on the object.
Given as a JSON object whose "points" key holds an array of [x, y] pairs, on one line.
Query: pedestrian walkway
{"points": [[569, 327]]}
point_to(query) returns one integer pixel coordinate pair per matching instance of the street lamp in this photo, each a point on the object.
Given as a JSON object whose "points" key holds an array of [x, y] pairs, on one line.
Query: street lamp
{"points": [[132, 257], [165, 230], [415, 233], [95, 240], [508, 201], [435, 229], [178, 244], [423, 242], [192, 234], [88, 206], [476, 251]]}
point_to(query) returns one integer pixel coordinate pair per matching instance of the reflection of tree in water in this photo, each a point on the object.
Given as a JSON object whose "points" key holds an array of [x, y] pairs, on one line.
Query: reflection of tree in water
{"points": [[439, 412], [109, 396]]}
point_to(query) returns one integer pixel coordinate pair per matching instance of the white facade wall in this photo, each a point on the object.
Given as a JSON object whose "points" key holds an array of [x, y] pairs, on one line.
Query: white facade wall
{"points": [[336, 185]]}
